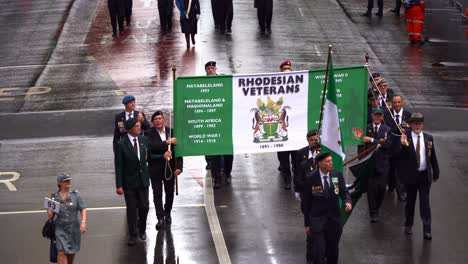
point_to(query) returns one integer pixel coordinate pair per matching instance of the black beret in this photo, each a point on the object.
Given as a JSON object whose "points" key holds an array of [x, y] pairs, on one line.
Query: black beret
{"points": [[312, 132], [210, 63], [130, 123], [372, 94], [322, 155], [159, 112], [416, 117], [374, 75]]}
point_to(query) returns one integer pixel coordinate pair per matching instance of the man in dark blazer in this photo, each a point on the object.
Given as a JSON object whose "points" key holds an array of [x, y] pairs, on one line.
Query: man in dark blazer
{"points": [[377, 133], [129, 112], [397, 118], [132, 178], [385, 95], [162, 171], [305, 164], [418, 168], [322, 217]]}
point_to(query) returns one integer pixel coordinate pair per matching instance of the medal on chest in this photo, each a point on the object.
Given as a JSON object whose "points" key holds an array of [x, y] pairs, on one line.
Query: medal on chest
{"points": [[335, 185]]}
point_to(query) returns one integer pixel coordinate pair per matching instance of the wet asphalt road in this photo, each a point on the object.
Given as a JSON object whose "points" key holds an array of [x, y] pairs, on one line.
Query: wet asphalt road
{"points": [[62, 77]]}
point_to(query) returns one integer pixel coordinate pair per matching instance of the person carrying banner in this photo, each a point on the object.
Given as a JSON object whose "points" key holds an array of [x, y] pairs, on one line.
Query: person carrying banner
{"points": [[283, 156], [377, 133], [132, 178], [322, 218], [163, 167], [305, 164], [414, 13], [418, 167], [396, 118]]}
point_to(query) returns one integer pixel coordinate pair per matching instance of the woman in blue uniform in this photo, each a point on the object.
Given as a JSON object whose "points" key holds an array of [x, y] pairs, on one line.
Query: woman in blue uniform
{"points": [[68, 227]]}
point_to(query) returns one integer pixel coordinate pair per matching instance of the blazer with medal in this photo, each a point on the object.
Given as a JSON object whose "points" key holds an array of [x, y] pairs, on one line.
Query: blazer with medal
{"points": [[131, 172], [382, 155], [318, 202], [407, 166], [119, 126], [304, 166]]}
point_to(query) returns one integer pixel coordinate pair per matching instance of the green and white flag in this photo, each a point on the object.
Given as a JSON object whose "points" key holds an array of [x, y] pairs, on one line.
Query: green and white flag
{"points": [[267, 112], [331, 134]]}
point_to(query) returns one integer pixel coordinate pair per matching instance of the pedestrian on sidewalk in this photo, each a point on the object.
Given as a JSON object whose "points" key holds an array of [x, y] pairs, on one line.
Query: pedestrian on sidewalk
{"points": [[414, 12], [132, 178], [189, 14], [68, 227], [370, 5], [163, 167], [165, 15], [117, 13], [226, 14], [264, 14]]}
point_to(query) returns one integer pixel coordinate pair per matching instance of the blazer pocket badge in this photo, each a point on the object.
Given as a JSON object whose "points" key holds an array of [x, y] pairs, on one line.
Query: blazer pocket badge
{"points": [[317, 188]]}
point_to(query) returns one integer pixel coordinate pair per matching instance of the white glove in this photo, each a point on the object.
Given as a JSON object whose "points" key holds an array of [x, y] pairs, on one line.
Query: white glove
{"points": [[298, 196], [198, 16], [186, 16]]}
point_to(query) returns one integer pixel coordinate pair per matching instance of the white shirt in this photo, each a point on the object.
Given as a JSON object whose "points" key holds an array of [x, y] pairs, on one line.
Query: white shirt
{"points": [[162, 133], [132, 142], [422, 150], [384, 98], [373, 127], [400, 115], [127, 115], [323, 180]]}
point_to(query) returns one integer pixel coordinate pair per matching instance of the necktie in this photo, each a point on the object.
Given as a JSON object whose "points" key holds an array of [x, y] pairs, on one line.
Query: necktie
{"points": [[382, 102], [129, 115], [135, 146], [326, 186], [376, 130], [397, 118], [418, 150]]}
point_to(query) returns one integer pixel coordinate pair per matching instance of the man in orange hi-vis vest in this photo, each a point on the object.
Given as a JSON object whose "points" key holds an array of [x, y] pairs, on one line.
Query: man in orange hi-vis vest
{"points": [[414, 12]]}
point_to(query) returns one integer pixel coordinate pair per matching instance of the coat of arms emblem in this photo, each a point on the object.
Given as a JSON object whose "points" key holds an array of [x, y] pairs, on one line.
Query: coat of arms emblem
{"points": [[270, 121]]}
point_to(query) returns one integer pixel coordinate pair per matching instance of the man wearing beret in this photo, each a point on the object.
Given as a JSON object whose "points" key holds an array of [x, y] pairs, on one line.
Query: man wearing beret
{"points": [[283, 156], [163, 167], [322, 217], [129, 112], [377, 133], [218, 163], [132, 178], [305, 164], [418, 168]]}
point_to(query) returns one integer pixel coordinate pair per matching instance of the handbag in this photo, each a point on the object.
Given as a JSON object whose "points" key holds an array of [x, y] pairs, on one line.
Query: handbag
{"points": [[48, 230]]}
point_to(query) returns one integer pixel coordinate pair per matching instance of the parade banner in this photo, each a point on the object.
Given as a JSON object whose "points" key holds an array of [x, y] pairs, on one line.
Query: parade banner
{"points": [[257, 113]]}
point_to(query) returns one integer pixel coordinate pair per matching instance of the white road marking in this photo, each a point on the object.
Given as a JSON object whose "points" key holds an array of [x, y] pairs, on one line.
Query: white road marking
{"points": [[95, 209], [317, 51], [300, 11], [213, 221], [8, 182]]}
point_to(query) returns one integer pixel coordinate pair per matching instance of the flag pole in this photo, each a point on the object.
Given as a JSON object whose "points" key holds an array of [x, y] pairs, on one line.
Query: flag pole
{"points": [[324, 88], [362, 154], [174, 69]]}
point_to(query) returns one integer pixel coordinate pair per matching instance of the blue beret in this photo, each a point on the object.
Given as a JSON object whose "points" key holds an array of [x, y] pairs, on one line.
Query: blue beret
{"points": [[130, 123], [63, 177], [127, 99]]}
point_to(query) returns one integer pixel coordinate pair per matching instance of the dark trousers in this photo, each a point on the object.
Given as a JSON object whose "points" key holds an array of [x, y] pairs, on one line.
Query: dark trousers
{"points": [[157, 184], [137, 202], [265, 15], [218, 162], [286, 164], [394, 181], [397, 6], [128, 10], [423, 187], [214, 10], [325, 236], [226, 14], [370, 5], [115, 18], [165, 15], [376, 191]]}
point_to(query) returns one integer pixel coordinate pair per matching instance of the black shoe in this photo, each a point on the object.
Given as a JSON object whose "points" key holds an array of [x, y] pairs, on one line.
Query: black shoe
{"points": [[402, 197], [367, 14], [193, 40], [143, 236], [262, 31], [131, 241], [427, 236], [379, 14], [374, 219], [408, 230], [114, 34], [207, 167], [420, 42], [229, 30], [160, 224], [228, 179], [168, 219], [287, 186], [215, 184], [269, 30]]}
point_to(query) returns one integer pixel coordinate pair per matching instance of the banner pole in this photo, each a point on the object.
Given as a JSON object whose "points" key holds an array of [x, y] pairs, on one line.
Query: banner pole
{"points": [[174, 69], [362, 154], [324, 88]]}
